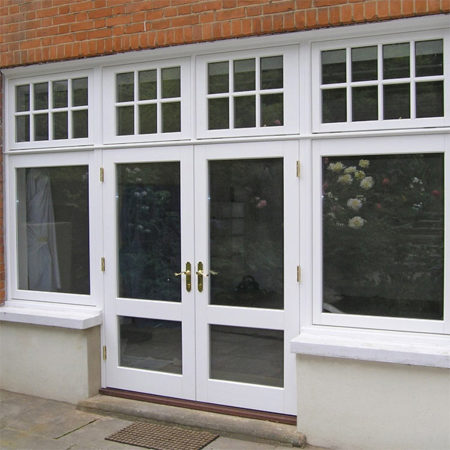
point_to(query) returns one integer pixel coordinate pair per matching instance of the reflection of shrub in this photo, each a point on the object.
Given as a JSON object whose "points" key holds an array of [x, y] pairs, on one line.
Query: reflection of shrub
{"points": [[383, 226]]}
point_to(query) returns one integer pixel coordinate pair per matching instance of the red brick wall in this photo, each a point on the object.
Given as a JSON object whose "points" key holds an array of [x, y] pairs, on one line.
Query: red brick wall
{"points": [[33, 31], [2, 260]]}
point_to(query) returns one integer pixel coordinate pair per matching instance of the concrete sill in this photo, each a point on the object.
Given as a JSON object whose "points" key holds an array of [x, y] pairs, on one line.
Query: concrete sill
{"points": [[76, 318], [390, 347]]}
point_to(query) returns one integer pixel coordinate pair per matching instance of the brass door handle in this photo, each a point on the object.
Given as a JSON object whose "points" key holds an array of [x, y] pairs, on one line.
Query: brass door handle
{"points": [[188, 274], [200, 275]]}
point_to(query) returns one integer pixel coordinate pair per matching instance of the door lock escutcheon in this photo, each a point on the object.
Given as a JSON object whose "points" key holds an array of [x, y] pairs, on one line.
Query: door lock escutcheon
{"points": [[188, 273]]}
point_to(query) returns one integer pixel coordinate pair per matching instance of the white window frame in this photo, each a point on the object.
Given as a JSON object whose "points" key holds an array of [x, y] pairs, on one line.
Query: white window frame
{"points": [[380, 124], [10, 137], [367, 146], [95, 221], [109, 102], [290, 90]]}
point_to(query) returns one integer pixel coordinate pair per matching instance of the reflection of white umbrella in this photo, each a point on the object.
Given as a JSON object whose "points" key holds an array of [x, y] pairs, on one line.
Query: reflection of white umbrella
{"points": [[43, 268]]}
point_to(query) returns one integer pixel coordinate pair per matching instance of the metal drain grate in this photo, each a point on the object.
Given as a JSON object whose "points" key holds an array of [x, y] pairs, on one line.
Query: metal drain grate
{"points": [[162, 437]]}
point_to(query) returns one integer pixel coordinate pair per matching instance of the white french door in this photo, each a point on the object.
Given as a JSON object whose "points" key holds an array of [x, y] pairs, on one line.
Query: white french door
{"points": [[201, 289]]}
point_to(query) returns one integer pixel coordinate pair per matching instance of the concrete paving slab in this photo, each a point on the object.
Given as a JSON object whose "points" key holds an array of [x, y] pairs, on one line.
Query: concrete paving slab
{"points": [[21, 440], [47, 418]]}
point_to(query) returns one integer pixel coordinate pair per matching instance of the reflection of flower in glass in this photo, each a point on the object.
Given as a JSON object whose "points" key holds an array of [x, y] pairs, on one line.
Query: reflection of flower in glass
{"points": [[356, 222], [350, 169], [360, 174], [261, 204], [364, 163], [345, 179], [367, 183], [336, 167], [354, 203]]}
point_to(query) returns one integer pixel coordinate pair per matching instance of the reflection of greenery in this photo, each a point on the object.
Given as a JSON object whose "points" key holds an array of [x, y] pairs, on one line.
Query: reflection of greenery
{"points": [[149, 249], [383, 234]]}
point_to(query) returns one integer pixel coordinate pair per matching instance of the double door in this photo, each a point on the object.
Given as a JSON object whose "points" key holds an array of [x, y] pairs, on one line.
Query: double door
{"points": [[201, 248]]}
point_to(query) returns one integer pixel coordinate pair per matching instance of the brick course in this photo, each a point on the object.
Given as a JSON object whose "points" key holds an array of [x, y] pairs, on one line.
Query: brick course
{"points": [[35, 31]]}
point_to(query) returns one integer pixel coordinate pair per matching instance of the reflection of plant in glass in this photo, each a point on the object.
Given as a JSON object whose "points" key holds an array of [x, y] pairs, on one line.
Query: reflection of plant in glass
{"points": [[383, 235]]}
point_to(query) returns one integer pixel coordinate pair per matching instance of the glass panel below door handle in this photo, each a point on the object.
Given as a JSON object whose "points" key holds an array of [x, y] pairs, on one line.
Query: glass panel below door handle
{"points": [[188, 274]]}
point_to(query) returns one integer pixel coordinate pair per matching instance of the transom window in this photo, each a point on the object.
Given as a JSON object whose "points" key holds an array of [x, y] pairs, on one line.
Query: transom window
{"points": [[51, 110], [148, 101], [246, 93], [382, 82]]}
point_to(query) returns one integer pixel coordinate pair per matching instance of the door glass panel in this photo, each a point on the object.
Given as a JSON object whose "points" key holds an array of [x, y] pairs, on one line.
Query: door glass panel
{"points": [[150, 344], [247, 355], [148, 208], [246, 232]]}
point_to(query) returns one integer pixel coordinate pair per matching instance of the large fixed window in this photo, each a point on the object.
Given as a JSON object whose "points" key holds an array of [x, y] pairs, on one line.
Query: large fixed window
{"points": [[382, 234], [53, 224]]}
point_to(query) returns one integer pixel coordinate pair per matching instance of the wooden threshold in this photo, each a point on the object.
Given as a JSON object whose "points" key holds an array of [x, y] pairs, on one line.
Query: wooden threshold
{"points": [[201, 406]]}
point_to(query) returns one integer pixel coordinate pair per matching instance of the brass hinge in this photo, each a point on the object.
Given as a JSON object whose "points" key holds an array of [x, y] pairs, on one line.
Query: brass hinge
{"points": [[299, 274], [102, 264], [298, 169], [104, 353], [102, 174]]}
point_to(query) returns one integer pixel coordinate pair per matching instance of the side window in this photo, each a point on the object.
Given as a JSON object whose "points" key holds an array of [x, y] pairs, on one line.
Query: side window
{"points": [[51, 110], [384, 85], [246, 93], [53, 229], [148, 101]]}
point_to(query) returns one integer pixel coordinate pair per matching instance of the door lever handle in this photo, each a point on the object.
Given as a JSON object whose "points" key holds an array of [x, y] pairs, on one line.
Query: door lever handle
{"points": [[200, 275], [188, 274]]}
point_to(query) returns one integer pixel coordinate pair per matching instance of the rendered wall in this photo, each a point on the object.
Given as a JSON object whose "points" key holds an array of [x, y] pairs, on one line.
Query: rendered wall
{"points": [[49, 30], [50, 362], [358, 405]]}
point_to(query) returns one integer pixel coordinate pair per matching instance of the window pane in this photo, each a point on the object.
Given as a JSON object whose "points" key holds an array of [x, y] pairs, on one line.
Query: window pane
{"points": [[147, 119], [147, 85], [429, 58], [60, 94], [383, 235], [272, 110], [333, 67], [334, 105], [244, 111], [364, 63], [396, 61], [125, 87], [148, 208], [246, 232], [80, 123], [244, 75], [150, 344], [22, 128], [23, 98], [40, 96], [80, 92], [247, 355], [430, 99], [218, 77], [60, 130], [272, 72], [125, 120], [365, 103], [171, 117], [396, 101], [218, 113], [53, 229], [171, 82], [41, 127]]}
